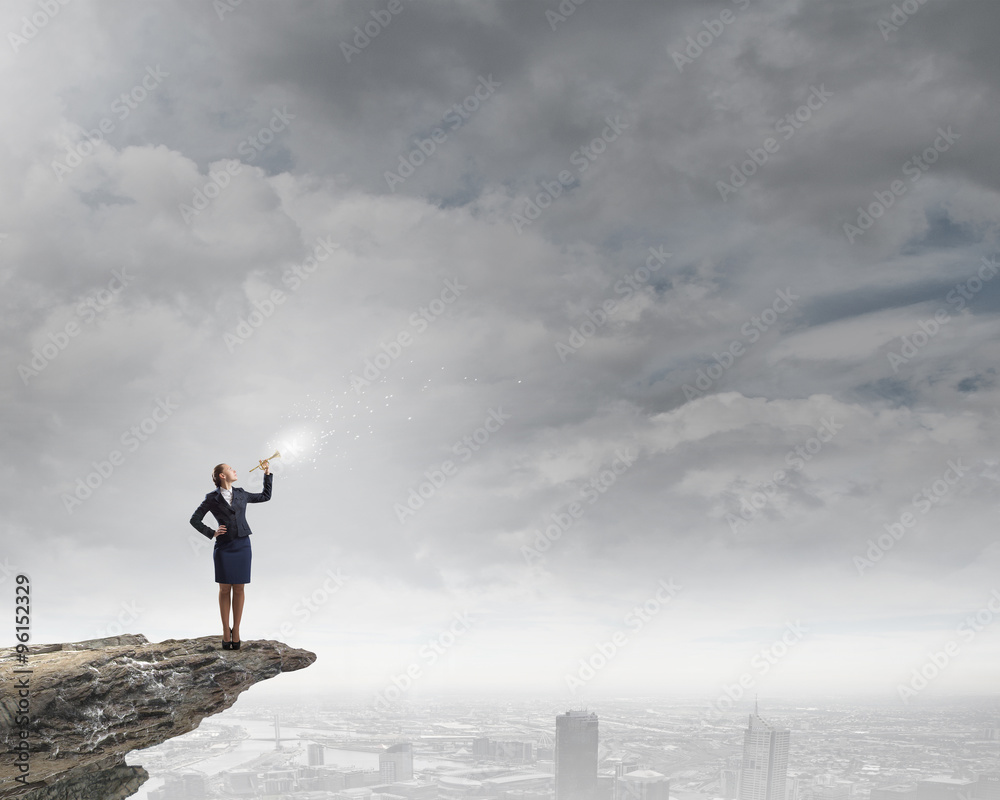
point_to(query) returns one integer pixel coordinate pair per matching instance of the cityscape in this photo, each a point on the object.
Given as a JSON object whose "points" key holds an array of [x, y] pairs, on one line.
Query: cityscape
{"points": [[623, 749], [627, 373]]}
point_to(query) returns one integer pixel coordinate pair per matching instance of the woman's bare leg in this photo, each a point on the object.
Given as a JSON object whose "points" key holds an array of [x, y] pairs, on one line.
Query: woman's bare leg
{"points": [[238, 599], [224, 605]]}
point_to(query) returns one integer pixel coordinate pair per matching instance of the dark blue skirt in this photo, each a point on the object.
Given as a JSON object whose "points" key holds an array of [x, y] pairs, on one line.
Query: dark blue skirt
{"points": [[232, 561]]}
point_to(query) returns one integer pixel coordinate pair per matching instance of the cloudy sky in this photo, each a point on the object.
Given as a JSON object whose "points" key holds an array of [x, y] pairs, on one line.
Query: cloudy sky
{"points": [[655, 336]]}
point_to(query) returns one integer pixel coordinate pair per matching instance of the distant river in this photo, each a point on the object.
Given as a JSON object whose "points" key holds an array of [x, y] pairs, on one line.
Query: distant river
{"points": [[249, 749]]}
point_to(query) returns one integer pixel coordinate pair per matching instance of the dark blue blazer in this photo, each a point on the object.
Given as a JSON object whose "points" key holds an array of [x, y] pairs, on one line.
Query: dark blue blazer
{"points": [[233, 517]]}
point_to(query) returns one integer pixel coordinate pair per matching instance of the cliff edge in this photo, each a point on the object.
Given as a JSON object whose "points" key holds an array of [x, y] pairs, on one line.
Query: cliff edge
{"points": [[69, 713]]}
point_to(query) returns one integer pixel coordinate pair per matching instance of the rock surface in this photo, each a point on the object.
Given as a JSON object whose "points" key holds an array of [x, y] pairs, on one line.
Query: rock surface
{"points": [[90, 703], [114, 783]]}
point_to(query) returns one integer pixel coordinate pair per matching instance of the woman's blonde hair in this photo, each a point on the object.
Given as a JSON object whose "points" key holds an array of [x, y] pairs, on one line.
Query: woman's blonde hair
{"points": [[216, 473]]}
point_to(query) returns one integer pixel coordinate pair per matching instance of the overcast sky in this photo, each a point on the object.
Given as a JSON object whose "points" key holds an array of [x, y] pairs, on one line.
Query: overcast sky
{"points": [[552, 310]]}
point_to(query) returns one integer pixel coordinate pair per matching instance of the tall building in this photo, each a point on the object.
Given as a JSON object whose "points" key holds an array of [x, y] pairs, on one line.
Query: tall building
{"points": [[315, 755], [499, 750], [396, 763], [729, 781], [764, 770], [481, 747], [576, 756], [513, 751]]}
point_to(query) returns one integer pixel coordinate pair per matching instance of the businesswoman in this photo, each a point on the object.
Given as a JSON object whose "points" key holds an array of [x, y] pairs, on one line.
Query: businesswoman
{"points": [[232, 543]]}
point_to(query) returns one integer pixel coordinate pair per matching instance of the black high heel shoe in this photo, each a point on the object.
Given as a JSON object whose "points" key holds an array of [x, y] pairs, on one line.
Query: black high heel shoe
{"points": [[233, 645]]}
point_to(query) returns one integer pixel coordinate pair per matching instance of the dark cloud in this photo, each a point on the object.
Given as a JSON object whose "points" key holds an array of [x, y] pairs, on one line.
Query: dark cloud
{"points": [[281, 291]]}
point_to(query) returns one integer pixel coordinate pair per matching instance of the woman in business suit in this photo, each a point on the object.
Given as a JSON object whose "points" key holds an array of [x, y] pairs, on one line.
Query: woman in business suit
{"points": [[232, 543]]}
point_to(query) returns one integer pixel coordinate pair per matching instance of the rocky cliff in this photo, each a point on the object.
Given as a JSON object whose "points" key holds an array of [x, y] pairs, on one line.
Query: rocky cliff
{"points": [[69, 713]]}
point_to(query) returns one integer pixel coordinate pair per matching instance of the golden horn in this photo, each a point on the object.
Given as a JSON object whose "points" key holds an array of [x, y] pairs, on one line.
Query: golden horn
{"points": [[276, 455]]}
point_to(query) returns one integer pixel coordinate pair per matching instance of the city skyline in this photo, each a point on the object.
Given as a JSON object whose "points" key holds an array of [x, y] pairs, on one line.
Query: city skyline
{"points": [[841, 751]]}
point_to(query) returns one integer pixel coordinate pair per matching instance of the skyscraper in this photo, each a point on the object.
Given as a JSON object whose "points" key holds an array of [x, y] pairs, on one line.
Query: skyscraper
{"points": [[396, 763], [729, 781], [765, 761], [576, 756]]}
